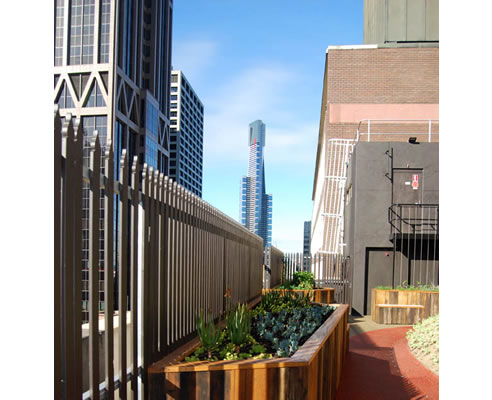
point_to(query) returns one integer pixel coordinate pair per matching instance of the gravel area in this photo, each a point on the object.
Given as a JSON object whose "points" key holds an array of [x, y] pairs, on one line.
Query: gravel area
{"points": [[423, 341]]}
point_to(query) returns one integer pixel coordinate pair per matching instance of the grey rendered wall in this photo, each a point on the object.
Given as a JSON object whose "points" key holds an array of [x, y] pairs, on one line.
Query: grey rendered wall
{"points": [[401, 21], [366, 217]]}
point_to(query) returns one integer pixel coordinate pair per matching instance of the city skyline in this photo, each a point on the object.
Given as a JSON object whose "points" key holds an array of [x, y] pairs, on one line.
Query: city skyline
{"points": [[241, 77]]}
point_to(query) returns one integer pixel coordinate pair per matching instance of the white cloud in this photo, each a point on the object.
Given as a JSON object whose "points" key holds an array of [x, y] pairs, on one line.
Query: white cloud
{"points": [[257, 93], [193, 57]]}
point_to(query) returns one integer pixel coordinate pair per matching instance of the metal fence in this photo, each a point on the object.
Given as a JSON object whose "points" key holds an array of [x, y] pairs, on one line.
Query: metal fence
{"points": [[176, 254], [273, 269], [415, 237], [329, 270]]}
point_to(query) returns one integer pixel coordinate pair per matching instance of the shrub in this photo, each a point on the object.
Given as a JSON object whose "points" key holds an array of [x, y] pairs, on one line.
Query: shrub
{"points": [[238, 325], [208, 333], [303, 280]]}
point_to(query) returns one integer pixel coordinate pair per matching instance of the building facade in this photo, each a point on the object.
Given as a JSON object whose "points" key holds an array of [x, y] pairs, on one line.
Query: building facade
{"points": [[112, 67], [391, 216], [255, 205], [186, 135], [385, 91]]}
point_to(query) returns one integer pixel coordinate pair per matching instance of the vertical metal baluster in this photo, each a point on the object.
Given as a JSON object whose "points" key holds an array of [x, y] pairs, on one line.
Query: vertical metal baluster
{"points": [[94, 204]]}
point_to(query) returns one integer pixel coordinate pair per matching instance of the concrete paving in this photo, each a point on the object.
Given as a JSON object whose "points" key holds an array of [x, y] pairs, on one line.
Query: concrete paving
{"points": [[362, 324]]}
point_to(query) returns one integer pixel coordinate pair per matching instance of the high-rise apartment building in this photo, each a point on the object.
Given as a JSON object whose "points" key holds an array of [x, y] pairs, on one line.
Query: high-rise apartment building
{"points": [[112, 69], [255, 205], [186, 146]]}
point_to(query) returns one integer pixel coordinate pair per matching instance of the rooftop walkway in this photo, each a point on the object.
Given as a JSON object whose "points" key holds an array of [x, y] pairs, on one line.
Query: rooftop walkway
{"points": [[379, 365]]}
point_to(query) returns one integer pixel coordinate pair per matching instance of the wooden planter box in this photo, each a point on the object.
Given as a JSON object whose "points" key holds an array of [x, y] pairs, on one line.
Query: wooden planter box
{"points": [[406, 307], [323, 295], [313, 372]]}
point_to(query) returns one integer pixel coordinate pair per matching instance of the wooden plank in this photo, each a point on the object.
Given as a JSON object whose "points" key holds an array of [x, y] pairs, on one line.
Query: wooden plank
{"points": [[94, 205], [108, 270]]}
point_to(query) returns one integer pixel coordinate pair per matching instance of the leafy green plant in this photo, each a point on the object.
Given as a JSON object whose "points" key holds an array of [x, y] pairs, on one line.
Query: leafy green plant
{"points": [[285, 331], [208, 333], [238, 325], [275, 301], [303, 280], [406, 286], [423, 338]]}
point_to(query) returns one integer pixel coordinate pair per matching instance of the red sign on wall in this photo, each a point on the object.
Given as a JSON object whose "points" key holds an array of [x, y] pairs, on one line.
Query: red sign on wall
{"points": [[415, 181]]}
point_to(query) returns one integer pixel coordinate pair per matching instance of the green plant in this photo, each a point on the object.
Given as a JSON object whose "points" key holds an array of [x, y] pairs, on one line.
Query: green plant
{"points": [[303, 280], [276, 301], [406, 286], [208, 333], [424, 338], [238, 325], [285, 331]]}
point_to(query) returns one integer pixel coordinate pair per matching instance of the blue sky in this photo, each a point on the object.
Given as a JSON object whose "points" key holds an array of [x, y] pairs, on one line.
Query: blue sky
{"points": [[265, 60]]}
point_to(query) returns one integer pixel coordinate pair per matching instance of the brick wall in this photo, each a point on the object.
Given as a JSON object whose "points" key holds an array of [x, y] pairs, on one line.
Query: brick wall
{"points": [[380, 76], [386, 76]]}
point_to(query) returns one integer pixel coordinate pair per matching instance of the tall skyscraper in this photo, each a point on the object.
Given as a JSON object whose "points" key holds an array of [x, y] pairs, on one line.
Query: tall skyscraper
{"points": [[255, 205], [306, 248], [112, 68], [186, 148], [307, 238]]}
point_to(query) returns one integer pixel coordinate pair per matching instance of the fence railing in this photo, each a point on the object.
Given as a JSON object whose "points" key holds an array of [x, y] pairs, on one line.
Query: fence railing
{"points": [[274, 264], [414, 231], [329, 270], [175, 255]]}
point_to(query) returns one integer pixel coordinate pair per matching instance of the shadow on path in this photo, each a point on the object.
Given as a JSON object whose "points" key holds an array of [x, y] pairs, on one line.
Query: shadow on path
{"points": [[371, 371]]}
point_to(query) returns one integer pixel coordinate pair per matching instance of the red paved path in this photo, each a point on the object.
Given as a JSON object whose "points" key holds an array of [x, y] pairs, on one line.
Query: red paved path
{"points": [[379, 366]]}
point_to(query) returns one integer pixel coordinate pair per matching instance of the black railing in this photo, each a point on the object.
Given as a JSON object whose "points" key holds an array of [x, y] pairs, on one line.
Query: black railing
{"points": [[414, 231], [414, 218]]}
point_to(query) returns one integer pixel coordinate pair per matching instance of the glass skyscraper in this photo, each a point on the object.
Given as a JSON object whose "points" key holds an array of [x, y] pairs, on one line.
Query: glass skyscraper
{"points": [[255, 205], [112, 69]]}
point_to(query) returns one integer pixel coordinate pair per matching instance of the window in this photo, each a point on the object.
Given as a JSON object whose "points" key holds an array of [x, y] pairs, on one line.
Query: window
{"points": [[59, 32], [82, 32], [104, 31]]}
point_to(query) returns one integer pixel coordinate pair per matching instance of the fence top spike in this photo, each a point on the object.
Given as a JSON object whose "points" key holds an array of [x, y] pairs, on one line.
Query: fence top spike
{"points": [[135, 164], [94, 140], [108, 150], [144, 171], [123, 159], [67, 125]]}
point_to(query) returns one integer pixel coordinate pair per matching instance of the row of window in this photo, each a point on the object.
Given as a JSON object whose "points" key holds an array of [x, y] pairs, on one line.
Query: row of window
{"points": [[81, 31]]}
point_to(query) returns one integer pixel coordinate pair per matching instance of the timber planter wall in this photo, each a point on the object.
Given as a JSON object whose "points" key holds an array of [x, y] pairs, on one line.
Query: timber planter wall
{"points": [[313, 372], [406, 307], [322, 295]]}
